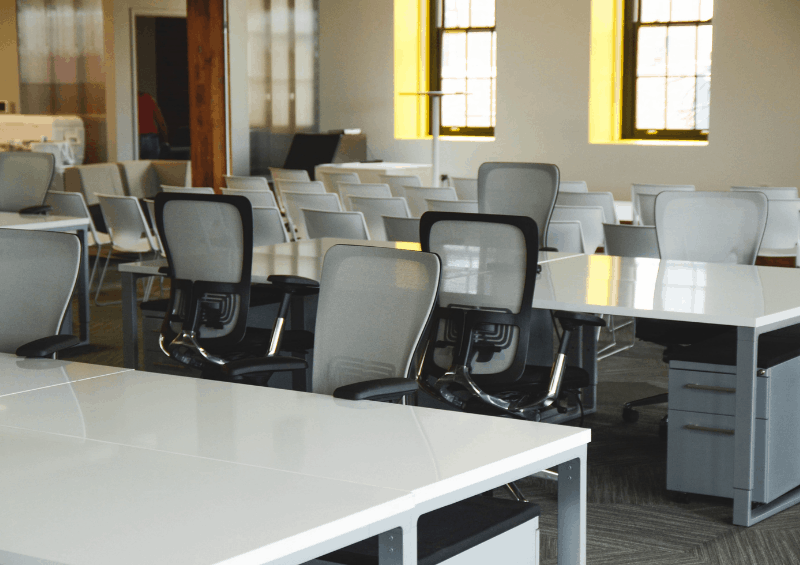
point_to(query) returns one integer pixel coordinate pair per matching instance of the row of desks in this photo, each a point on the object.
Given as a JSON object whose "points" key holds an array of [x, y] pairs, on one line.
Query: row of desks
{"points": [[105, 465]]}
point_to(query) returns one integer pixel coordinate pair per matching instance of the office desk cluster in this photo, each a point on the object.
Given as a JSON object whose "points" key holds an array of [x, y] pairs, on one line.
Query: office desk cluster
{"points": [[105, 465]]}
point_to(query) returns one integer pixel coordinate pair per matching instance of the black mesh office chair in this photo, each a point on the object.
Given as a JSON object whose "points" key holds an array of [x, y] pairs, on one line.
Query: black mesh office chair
{"points": [[24, 180], [208, 240], [37, 274], [478, 346]]}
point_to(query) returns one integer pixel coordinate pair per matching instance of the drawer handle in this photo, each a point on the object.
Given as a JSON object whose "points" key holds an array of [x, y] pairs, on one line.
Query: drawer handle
{"points": [[710, 388], [705, 429]]}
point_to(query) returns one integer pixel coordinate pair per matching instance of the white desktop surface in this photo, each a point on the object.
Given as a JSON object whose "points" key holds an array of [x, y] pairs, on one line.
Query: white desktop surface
{"points": [[78, 501], [40, 222], [419, 450], [712, 293], [18, 374]]}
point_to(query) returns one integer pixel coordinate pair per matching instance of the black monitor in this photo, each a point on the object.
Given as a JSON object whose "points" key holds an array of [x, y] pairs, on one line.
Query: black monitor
{"points": [[311, 149]]}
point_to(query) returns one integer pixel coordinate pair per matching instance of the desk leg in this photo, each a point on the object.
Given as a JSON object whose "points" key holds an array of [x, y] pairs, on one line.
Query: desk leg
{"points": [[572, 511], [746, 351], [83, 289], [130, 322], [398, 546]]}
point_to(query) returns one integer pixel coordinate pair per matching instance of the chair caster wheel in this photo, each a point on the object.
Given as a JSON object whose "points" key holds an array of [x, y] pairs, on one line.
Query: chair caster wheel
{"points": [[630, 415], [663, 429]]}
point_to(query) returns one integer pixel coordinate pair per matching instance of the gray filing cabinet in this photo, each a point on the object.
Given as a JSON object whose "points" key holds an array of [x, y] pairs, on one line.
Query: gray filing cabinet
{"points": [[702, 400]]}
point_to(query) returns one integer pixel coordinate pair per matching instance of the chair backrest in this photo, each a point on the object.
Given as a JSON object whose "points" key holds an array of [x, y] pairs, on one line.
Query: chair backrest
{"points": [[24, 179], [397, 182], [89, 180], [289, 174], [591, 219], [602, 199], [489, 267], [38, 275], [374, 304], [150, 206], [566, 236], [126, 222], [71, 204], [624, 240], [780, 192], [260, 198], [375, 208], [143, 178], [715, 227], [296, 201], [466, 189], [347, 189], [246, 183], [187, 189], [416, 195], [309, 186], [462, 206], [783, 223], [572, 186], [346, 225], [172, 173], [332, 180], [528, 189], [208, 240], [654, 190], [268, 228], [401, 229]]}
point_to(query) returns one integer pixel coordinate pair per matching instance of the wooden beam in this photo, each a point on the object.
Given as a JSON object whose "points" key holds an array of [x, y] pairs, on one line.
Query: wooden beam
{"points": [[206, 42]]}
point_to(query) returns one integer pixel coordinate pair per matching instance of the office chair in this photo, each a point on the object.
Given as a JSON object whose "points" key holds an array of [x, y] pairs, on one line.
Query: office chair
{"points": [[478, 344], [187, 189], [591, 219], [779, 192], [370, 190], [268, 226], [416, 197], [645, 214], [369, 324], [257, 197], [527, 189], [567, 236], [463, 206], [296, 202], [25, 178], [712, 227], [374, 209], [208, 240], [573, 186], [466, 188], [346, 225], [603, 199], [401, 228], [246, 183], [38, 275], [282, 186], [397, 182]]}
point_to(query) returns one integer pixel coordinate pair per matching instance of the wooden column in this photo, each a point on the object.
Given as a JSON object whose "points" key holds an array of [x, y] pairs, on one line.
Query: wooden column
{"points": [[206, 41]]}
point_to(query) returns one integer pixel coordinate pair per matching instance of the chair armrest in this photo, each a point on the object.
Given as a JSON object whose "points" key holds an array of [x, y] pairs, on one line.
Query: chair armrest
{"points": [[46, 346], [32, 210], [379, 389], [164, 270], [246, 367], [572, 320], [293, 284]]}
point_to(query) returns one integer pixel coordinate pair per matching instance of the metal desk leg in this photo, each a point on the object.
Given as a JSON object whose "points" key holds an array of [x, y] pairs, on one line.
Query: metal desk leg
{"points": [[398, 546], [83, 288], [572, 511], [130, 321]]}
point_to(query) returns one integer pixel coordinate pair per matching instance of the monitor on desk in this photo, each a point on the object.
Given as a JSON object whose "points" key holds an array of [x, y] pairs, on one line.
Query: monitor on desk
{"points": [[311, 149]]}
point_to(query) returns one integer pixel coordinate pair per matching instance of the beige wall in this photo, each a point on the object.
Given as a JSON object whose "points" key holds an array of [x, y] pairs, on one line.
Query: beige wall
{"points": [[543, 92], [9, 58]]}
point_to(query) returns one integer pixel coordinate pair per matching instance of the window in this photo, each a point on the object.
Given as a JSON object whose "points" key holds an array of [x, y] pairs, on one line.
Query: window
{"points": [[667, 69], [463, 60]]}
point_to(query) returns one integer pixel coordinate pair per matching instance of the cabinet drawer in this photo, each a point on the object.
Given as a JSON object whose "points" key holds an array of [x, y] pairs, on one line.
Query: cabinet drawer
{"points": [[712, 393]]}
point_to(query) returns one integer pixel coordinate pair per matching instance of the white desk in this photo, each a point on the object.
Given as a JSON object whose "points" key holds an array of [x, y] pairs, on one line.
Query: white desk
{"points": [[370, 172], [11, 220], [202, 471], [754, 299]]}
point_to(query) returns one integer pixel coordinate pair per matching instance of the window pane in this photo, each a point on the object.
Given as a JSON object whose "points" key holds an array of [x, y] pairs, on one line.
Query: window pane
{"points": [[456, 13], [680, 103], [454, 54], [479, 54], [685, 10], [706, 9], [703, 102], [652, 59], [454, 109], [650, 102], [654, 11], [479, 103], [482, 13], [704, 50], [681, 43]]}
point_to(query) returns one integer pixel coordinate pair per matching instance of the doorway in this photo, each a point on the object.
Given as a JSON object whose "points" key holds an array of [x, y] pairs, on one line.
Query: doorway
{"points": [[162, 71]]}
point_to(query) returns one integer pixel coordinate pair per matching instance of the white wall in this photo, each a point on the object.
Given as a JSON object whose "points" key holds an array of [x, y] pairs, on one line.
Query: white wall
{"points": [[543, 94]]}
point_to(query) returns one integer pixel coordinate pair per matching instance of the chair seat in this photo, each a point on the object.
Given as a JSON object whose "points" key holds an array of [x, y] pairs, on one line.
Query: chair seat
{"points": [[102, 239], [449, 531], [141, 246]]}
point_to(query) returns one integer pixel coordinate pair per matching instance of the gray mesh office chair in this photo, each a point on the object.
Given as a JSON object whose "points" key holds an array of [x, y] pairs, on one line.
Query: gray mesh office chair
{"points": [[527, 189], [208, 240], [38, 275], [476, 355], [24, 180]]}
